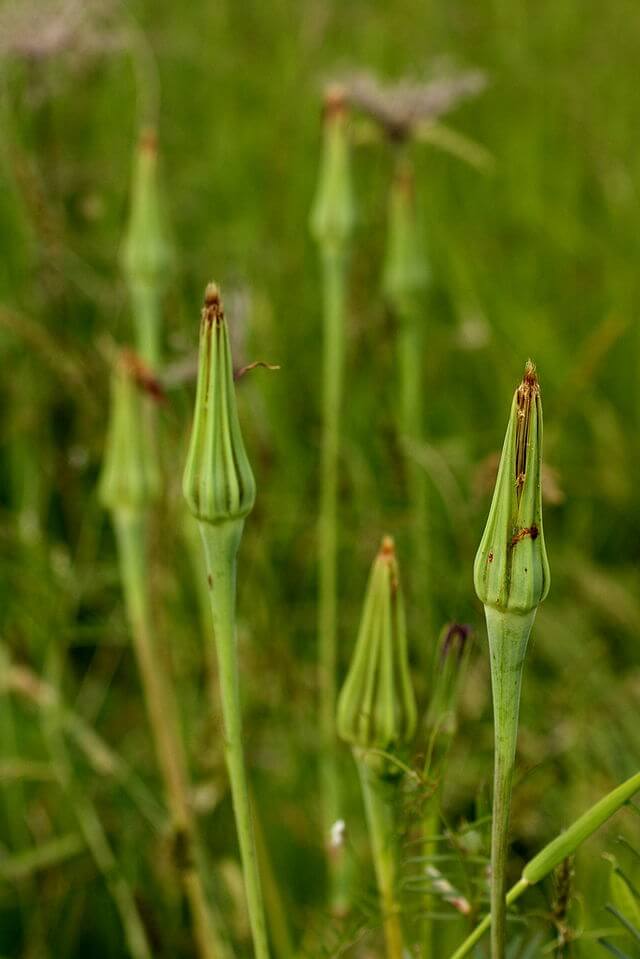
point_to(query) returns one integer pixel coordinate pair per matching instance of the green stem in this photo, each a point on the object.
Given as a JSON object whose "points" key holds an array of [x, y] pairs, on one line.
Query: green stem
{"points": [[334, 277], [378, 804], [145, 301], [508, 637], [430, 829], [163, 719], [557, 850], [92, 829], [221, 544]]}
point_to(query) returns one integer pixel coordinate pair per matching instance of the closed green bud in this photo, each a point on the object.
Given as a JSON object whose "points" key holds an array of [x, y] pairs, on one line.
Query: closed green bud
{"points": [[406, 272], [218, 482], [130, 477], [376, 707], [332, 216], [511, 571], [146, 254]]}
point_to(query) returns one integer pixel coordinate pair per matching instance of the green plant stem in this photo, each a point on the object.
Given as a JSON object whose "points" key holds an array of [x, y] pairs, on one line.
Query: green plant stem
{"points": [[131, 528], [93, 831], [145, 302], [221, 544], [276, 913], [557, 850], [378, 804], [411, 353], [334, 281], [430, 829], [508, 638]]}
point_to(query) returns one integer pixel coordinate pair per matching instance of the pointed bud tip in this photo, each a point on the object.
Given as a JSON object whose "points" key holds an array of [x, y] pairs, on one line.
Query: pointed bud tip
{"points": [[335, 100], [387, 547], [213, 310], [530, 378], [148, 141]]}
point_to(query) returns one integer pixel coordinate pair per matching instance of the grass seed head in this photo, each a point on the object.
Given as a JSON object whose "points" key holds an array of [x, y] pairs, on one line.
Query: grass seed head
{"points": [[218, 482], [376, 707], [332, 215], [511, 571], [130, 477]]}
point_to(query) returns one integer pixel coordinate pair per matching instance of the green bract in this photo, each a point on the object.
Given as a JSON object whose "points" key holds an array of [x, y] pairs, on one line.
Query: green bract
{"points": [[130, 477], [511, 571], [218, 482], [145, 253], [406, 272], [332, 216], [376, 708]]}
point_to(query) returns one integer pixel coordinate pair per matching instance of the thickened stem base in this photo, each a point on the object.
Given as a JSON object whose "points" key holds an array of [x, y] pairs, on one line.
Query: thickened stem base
{"points": [[508, 637], [221, 543]]}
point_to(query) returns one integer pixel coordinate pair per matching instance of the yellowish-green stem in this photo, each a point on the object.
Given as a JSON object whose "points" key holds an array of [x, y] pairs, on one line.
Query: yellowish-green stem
{"points": [[221, 542], [378, 797], [131, 528], [508, 638], [334, 275]]}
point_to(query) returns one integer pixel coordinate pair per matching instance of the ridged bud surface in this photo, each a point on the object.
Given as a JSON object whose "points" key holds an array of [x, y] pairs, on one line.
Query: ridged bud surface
{"points": [[376, 707], [130, 477], [145, 254], [218, 482], [511, 571], [406, 271], [332, 216]]}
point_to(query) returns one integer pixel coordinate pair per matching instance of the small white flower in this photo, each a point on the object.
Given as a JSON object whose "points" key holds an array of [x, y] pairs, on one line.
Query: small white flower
{"points": [[338, 834]]}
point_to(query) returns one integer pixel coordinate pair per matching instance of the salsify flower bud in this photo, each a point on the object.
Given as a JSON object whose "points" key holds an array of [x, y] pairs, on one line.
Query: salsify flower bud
{"points": [[511, 570], [145, 253], [376, 707], [332, 216], [218, 482], [130, 477], [406, 271]]}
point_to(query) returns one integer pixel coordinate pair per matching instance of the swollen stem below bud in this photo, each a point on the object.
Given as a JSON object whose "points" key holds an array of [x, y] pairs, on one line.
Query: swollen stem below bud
{"points": [[508, 634]]}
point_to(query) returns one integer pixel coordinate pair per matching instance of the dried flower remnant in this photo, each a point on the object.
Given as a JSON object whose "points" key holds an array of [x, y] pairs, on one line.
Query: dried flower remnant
{"points": [[399, 108], [41, 30]]}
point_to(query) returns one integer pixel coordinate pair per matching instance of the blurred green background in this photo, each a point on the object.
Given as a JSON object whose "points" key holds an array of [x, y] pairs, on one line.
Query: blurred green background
{"points": [[536, 256]]}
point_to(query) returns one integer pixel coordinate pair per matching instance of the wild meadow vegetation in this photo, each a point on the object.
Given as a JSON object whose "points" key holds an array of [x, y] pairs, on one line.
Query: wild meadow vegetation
{"points": [[310, 646]]}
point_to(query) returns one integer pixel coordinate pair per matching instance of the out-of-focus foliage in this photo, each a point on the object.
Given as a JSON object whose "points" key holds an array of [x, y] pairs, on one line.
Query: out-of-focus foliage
{"points": [[536, 256]]}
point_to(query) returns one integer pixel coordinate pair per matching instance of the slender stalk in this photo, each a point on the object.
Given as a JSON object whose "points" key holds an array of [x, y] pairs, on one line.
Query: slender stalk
{"points": [[557, 850], [221, 542], [378, 806], [406, 276], [93, 832], [147, 309], [163, 719], [508, 638], [334, 274]]}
